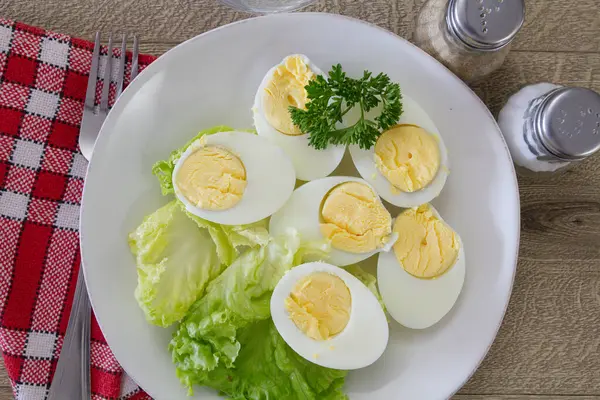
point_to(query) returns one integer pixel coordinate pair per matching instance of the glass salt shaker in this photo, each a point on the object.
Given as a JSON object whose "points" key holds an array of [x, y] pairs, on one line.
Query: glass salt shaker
{"points": [[548, 127], [470, 37]]}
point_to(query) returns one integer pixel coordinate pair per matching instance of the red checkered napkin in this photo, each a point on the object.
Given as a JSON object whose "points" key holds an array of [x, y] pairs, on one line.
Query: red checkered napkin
{"points": [[43, 79]]}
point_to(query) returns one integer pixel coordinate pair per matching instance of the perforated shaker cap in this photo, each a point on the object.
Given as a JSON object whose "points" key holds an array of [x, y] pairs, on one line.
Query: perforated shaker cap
{"points": [[567, 123], [485, 25]]}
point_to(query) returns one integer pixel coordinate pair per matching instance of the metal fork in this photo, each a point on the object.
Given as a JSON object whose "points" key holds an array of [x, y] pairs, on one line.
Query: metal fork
{"points": [[72, 377], [92, 118]]}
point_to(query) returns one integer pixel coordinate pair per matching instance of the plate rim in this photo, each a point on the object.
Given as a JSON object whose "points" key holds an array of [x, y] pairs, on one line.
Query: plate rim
{"points": [[134, 87]]}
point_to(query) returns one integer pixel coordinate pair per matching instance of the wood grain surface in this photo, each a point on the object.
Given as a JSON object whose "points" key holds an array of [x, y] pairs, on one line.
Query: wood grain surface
{"points": [[549, 344]]}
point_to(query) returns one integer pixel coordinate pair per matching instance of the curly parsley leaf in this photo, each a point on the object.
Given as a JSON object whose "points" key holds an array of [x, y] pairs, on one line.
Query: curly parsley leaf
{"points": [[331, 99]]}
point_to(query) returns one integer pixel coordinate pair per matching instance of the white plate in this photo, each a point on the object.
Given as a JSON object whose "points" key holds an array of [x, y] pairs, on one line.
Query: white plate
{"points": [[211, 80]]}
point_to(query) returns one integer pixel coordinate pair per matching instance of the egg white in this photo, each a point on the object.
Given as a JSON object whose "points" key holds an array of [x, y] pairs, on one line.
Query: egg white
{"points": [[419, 303], [302, 212], [270, 177], [309, 162], [360, 344], [364, 160]]}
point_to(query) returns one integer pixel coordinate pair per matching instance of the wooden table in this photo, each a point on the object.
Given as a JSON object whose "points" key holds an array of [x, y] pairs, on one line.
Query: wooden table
{"points": [[549, 344]]}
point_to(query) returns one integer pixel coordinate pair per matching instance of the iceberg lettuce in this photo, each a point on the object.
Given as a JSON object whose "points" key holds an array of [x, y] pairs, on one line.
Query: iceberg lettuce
{"points": [[178, 254], [228, 342], [267, 368], [368, 279]]}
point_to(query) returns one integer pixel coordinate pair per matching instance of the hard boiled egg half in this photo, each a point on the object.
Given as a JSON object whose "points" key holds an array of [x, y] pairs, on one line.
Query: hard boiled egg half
{"points": [[343, 210], [329, 317], [233, 178], [422, 278], [282, 87], [408, 166]]}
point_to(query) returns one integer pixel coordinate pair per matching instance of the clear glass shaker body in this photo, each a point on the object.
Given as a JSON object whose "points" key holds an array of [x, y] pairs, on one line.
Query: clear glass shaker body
{"points": [[433, 36], [517, 120]]}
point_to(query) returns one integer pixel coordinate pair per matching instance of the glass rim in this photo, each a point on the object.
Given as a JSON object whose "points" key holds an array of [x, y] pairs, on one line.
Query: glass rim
{"points": [[241, 5]]}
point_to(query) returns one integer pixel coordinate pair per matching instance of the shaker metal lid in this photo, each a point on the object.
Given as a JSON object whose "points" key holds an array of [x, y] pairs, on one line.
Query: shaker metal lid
{"points": [[568, 123], [485, 25]]}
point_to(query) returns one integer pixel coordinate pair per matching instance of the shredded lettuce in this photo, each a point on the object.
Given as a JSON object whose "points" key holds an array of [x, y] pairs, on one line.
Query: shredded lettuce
{"points": [[228, 342], [178, 254]]}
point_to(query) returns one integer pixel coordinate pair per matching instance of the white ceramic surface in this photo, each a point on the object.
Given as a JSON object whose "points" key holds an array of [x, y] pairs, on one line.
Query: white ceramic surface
{"points": [[211, 80]]}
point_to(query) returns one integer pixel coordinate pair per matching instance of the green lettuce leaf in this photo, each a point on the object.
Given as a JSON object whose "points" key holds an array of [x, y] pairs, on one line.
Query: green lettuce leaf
{"points": [[267, 368], [163, 170], [229, 238], [368, 279], [177, 255], [220, 342]]}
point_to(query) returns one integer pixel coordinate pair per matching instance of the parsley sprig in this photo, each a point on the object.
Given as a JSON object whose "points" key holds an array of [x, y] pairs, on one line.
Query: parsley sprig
{"points": [[331, 99]]}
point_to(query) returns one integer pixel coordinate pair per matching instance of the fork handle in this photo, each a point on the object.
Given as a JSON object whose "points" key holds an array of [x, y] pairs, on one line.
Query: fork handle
{"points": [[72, 377]]}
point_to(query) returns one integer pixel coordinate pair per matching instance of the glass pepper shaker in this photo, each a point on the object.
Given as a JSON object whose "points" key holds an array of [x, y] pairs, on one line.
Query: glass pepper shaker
{"points": [[470, 37], [548, 127]]}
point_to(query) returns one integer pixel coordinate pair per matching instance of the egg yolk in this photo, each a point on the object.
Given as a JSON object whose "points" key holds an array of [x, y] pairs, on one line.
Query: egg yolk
{"points": [[212, 178], [426, 246], [285, 89], [319, 305], [354, 219], [408, 156]]}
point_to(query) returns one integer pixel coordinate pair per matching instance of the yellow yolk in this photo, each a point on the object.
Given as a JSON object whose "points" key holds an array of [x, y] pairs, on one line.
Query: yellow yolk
{"points": [[408, 156], [354, 219], [285, 89], [426, 246], [320, 305], [212, 178]]}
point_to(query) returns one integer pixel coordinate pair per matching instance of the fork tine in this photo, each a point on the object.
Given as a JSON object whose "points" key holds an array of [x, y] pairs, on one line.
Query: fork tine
{"points": [[134, 58], [106, 79], [122, 62], [90, 94]]}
